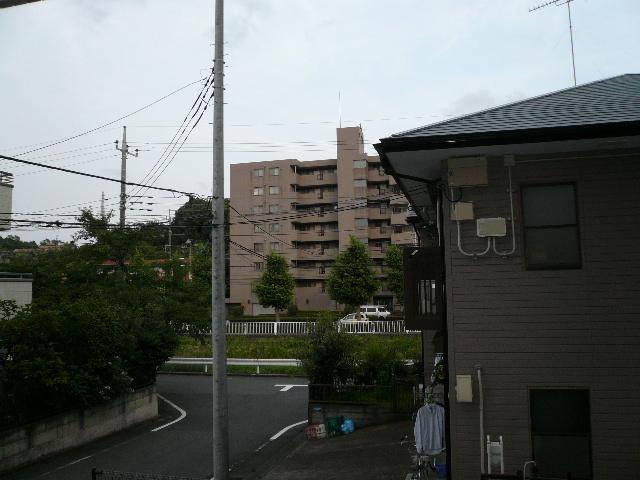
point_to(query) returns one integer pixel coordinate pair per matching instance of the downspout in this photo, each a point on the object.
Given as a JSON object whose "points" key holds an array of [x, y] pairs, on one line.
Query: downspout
{"points": [[445, 338], [481, 408]]}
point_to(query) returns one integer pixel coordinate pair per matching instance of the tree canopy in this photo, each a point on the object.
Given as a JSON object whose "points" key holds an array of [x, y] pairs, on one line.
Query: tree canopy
{"points": [[395, 272], [276, 286], [352, 280]]}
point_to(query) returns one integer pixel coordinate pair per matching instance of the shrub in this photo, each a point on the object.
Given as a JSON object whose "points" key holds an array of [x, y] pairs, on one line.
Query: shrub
{"points": [[292, 310], [236, 311], [329, 355]]}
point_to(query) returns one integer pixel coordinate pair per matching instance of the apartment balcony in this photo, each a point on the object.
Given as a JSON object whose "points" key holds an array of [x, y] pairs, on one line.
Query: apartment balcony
{"points": [[310, 273], [306, 218], [407, 237], [316, 198], [374, 175], [311, 254], [399, 218], [379, 233], [317, 179], [377, 213], [317, 235]]}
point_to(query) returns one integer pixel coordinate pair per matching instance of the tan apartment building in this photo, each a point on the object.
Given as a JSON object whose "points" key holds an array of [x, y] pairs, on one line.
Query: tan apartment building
{"points": [[306, 211]]}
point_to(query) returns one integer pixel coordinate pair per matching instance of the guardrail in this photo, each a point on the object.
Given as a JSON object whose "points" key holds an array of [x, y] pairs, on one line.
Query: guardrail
{"points": [[253, 362], [256, 362], [301, 328]]}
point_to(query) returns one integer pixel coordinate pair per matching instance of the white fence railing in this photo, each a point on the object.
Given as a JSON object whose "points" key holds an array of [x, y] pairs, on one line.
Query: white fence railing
{"points": [[301, 328]]}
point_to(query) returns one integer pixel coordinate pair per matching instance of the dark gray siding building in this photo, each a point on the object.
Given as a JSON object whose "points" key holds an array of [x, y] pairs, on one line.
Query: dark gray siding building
{"points": [[551, 321]]}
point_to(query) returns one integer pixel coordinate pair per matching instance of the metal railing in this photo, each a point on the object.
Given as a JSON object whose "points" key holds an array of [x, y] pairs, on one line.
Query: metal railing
{"points": [[99, 474], [302, 328], [400, 396]]}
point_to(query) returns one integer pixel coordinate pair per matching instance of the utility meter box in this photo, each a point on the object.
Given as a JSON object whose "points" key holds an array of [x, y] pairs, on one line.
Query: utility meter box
{"points": [[491, 227], [462, 211], [464, 389], [467, 172], [6, 195]]}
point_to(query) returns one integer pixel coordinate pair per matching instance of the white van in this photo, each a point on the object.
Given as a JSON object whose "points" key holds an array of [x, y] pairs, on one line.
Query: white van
{"points": [[374, 312]]}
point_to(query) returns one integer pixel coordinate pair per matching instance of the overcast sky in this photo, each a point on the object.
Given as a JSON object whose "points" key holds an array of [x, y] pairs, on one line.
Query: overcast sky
{"points": [[67, 66]]}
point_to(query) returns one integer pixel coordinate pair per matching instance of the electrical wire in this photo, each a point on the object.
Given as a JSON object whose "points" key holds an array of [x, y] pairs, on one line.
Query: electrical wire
{"points": [[86, 132], [99, 177]]}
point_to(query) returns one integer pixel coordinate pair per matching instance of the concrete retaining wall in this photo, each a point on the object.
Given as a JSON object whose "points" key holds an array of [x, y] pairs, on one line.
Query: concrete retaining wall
{"points": [[28, 443], [363, 415]]}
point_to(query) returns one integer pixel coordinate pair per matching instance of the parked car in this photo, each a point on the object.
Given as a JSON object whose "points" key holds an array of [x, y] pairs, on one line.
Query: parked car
{"points": [[352, 318], [374, 312]]}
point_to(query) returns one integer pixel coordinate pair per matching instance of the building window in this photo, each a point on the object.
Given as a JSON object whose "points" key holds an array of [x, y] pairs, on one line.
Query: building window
{"points": [[257, 209], [397, 210], [360, 182], [398, 228], [322, 270], [360, 202], [361, 223], [257, 228], [320, 175], [383, 208], [258, 247], [274, 208], [257, 266], [258, 172], [275, 246], [258, 191], [323, 288], [551, 234], [274, 227], [560, 432], [360, 164], [274, 190], [274, 172]]}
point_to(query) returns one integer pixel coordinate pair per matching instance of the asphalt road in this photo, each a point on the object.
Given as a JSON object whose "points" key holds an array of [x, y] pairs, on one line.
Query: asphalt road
{"points": [[258, 410]]}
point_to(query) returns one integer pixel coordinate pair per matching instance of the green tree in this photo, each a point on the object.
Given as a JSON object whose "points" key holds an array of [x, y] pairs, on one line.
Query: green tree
{"points": [[395, 272], [193, 221], [352, 280], [276, 286]]}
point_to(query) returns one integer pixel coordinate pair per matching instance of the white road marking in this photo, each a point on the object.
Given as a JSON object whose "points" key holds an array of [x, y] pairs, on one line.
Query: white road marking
{"points": [[286, 387], [182, 414], [78, 461], [285, 429]]}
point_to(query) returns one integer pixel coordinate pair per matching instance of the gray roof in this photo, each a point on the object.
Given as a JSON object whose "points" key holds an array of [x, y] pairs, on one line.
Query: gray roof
{"points": [[607, 101]]}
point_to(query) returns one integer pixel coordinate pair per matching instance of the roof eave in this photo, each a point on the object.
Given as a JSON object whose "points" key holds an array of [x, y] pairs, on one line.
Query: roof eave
{"points": [[502, 137]]}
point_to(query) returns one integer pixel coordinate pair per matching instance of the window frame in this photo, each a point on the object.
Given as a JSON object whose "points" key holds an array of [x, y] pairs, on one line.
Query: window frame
{"points": [[257, 191], [258, 172], [274, 171], [524, 228], [274, 189]]}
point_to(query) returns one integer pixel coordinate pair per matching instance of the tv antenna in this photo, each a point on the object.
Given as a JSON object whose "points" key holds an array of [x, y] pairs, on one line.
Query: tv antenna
{"points": [[559, 3]]}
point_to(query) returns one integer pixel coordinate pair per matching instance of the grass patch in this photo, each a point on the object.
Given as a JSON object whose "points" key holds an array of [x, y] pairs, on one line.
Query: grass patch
{"points": [[407, 346]]}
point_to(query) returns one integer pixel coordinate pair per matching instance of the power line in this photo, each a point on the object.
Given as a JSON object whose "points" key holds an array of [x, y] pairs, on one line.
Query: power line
{"points": [[99, 177], [171, 145], [86, 132]]}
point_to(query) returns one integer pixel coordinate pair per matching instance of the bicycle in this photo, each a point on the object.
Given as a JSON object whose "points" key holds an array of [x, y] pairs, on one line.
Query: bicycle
{"points": [[422, 464]]}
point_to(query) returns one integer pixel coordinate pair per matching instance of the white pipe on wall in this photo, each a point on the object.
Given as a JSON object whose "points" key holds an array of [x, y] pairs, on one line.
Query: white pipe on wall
{"points": [[481, 408]]}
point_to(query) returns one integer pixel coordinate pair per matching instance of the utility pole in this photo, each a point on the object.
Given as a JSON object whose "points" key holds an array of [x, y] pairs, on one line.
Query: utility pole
{"points": [[102, 206], [123, 174], [218, 324], [558, 3]]}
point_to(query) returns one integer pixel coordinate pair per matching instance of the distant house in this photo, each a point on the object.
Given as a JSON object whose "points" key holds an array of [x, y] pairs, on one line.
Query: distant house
{"points": [[530, 224], [16, 287]]}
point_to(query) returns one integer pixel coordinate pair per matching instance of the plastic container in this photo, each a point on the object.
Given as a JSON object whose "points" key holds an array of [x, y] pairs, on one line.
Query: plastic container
{"points": [[333, 425], [316, 431], [441, 470]]}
